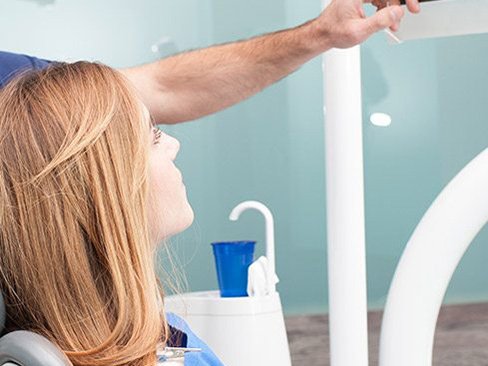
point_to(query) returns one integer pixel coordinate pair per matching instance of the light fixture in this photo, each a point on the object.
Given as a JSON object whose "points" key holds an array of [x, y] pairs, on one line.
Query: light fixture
{"points": [[380, 119]]}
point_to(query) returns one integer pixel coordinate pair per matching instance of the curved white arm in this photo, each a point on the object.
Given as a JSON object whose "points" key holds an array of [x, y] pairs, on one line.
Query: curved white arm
{"points": [[270, 244], [428, 263]]}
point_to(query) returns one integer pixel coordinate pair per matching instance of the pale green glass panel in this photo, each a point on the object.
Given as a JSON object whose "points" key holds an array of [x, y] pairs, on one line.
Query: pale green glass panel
{"points": [[271, 147]]}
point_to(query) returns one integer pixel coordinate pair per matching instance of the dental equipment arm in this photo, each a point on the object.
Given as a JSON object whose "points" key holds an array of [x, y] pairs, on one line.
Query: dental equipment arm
{"points": [[197, 83], [428, 264]]}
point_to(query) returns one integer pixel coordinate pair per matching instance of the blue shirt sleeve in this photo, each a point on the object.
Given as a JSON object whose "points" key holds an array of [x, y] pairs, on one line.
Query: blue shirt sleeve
{"points": [[12, 63], [204, 358]]}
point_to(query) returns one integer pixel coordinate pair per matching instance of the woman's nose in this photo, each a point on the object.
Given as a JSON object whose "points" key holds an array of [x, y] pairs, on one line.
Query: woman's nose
{"points": [[173, 146]]}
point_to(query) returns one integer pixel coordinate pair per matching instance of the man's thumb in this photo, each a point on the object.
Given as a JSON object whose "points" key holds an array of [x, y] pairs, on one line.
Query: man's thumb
{"points": [[384, 18]]}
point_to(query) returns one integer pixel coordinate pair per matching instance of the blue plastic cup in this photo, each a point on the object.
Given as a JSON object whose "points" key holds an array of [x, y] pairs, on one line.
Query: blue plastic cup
{"points": [[232, 260]]}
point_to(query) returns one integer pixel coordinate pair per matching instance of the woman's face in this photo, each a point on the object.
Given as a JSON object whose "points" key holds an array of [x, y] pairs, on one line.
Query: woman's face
{"points": [[169, 209]]}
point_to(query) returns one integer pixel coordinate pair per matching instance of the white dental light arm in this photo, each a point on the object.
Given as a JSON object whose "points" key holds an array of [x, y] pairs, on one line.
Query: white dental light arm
{"points": [[428, 263], [270, 244]]}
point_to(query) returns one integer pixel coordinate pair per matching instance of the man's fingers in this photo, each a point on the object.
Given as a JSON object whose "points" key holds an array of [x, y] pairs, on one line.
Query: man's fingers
{"points": [[388, 17], [395, 27], [413, 6], [380, 4]]}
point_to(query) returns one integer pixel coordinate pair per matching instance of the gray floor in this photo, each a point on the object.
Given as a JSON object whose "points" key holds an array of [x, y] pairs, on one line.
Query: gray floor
{"points": [[461, 337]]}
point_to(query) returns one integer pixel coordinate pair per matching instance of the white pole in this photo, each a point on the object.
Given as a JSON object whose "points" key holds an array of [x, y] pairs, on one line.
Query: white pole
{"points": [[428, 263], [345, 208]]}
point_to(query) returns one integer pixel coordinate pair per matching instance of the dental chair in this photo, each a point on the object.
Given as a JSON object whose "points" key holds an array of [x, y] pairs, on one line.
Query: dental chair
{"points": [[22, 348]]}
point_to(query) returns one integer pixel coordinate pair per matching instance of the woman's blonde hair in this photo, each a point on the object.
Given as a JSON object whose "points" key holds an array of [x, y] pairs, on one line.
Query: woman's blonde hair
{"points": [[76, 259]]}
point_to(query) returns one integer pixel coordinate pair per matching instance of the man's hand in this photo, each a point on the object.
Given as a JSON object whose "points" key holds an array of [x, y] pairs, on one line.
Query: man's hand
{"points": [[345, 24], [413, 5], [193, 84]]}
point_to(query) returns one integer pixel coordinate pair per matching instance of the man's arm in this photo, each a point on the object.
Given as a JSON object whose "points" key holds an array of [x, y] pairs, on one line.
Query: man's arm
{"points": [[197, 83]]}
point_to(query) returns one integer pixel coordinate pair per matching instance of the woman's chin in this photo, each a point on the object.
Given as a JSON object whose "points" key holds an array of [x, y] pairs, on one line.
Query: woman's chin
{"points": [[183, 223]]}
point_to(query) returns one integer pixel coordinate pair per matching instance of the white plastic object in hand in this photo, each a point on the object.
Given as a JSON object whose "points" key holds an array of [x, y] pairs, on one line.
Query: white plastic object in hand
{"points": [[270, 244], [257, 277], [442, 18]]}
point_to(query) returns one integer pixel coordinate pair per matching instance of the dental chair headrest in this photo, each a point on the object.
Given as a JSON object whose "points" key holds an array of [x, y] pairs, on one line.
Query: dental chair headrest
{"points": [[30, 349], [27, 348], [2, 313]]}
